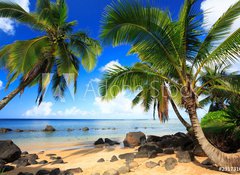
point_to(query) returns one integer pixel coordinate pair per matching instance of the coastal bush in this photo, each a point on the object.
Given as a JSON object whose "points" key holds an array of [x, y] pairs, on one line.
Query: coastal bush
{"points": [[222, 130]]}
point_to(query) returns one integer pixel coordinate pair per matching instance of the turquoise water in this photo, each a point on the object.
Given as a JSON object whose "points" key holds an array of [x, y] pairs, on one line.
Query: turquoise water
{"points": [[98, 129]]}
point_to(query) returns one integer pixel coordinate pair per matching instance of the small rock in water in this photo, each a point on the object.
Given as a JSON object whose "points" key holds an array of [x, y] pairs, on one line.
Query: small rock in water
{"points": [[124, 170], [170, 163], [85, 129], [114, 159], [70, 129], [43, 172], [111, 172], [151, 164], [49, 128], [168, 151], [101, 160], [19, 130], [5, 130]]}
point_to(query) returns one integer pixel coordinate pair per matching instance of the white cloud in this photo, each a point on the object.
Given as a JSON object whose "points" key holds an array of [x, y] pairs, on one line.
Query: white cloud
{"points": [[95, 80], [72, 112], [110, 65], [214, 9], [44, 110], [1, 85], [8, 25]]}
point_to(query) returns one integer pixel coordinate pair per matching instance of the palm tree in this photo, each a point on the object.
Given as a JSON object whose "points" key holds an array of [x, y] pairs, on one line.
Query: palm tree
{"points": [[150, 90], [177, 46], [57, 50]]}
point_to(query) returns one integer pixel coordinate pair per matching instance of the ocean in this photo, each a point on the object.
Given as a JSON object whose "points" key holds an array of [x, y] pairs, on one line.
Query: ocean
{"points": [[99, 128]]}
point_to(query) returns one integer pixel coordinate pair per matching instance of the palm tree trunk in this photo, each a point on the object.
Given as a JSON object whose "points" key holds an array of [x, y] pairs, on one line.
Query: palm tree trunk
{"points": [[184, 122], [220, 158]]}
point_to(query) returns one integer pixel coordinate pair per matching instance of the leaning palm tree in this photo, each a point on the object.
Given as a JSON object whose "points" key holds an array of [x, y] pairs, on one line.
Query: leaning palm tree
{"points": [[57, 50], [180, 46], [151, 91]]}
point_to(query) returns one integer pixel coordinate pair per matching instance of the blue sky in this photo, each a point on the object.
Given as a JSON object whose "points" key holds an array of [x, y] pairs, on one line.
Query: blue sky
{"points": [[86, 104]]}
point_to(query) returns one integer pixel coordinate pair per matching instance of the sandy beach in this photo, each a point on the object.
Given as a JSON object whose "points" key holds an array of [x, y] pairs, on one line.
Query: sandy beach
{"points": [[87, 159]]}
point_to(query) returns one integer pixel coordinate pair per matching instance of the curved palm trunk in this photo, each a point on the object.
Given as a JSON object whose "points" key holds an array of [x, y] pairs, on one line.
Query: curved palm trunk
{"points": [[220, 158], [184, 122]]}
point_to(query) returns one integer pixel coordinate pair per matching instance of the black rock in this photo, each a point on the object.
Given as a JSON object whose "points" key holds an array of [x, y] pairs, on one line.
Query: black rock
{"points": [[9, 152], [58, 161], [153, 138], [168, 151], [55, 172], [74, 170], [25, 173], [21, 162], [5, 130], [19, 130], [150, 147], [198, 151], [100, 141], [49, 128], [185, 156], [43, 172], [207, 162], [6, 168], [114, 159], [141, 155], [127, 156], [24, 153], [2, 162], [170, 163], [151, 164], [111, 142], [43, 162], [101, 160], [152, 154], [32, 156]]}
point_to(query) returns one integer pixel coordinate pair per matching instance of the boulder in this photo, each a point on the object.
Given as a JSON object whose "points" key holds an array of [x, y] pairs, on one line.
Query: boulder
{"points": [[2, 162], [74, 170], [170, 163], [151, 164], [124, 170], [185, 156], [114, 159], [58, 161], [141, 155], [133, 164], [24, 153], [43, 172], [198, 151], [55, 171], [127, 156], [111, 172], [21, 162], [150, 147], [152, 154], [111, 142], [100, 141], [49, 128], [85, 129], [43, 162], [168, 151], [134, 139], [9, 152], [152, 138], [5, 130], [5, 168]]}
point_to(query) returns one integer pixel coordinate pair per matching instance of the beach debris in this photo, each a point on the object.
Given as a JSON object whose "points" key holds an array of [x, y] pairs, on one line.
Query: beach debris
{"points": [[43, 172], [43, 162], [5, 130], [9, 152], [170, 163], [5, 168], [168, 151], [24, 173], [100, 141], [114, 159], [185, 156], [73, 171], [85, 129], [207, 162], [101, 160], [151, 164], [127, 156], [111, 172], [124, 170], [134, 139], [198, 151], [132, 164], [111, 142]]}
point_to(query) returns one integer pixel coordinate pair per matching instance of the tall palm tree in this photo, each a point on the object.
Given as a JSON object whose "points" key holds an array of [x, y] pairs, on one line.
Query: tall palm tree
{"points": [[151, 91], [177, 46], [57, 50]]}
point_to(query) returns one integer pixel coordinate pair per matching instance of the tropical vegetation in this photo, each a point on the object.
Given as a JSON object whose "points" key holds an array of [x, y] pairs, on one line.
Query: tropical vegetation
{"points": [[57, 49], [178, 52]]}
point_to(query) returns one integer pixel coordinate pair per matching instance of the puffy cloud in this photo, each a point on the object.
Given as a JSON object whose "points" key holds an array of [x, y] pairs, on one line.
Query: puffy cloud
{"points": [[95, 80], [214, 9], [110, 65], [44, 110], [8, 25]]}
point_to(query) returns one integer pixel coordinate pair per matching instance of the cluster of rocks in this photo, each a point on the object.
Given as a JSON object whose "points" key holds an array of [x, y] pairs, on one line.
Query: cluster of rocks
{"points": [[55, 171], [106, 141]]}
